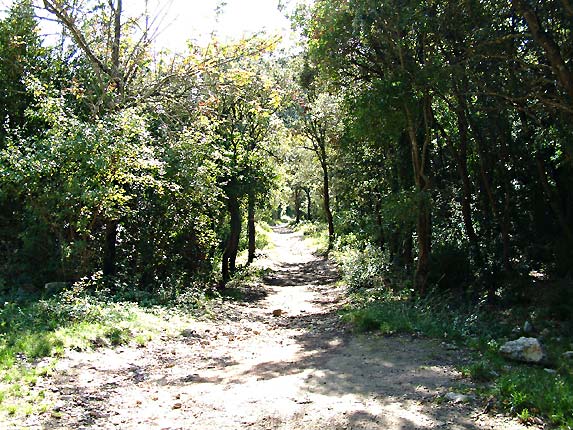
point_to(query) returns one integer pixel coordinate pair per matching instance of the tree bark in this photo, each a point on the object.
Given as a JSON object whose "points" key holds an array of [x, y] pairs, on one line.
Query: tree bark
{"points": [[423, 221], [326, 200], [308, 203], [109, 258], [462, 168], [379, 222], [251, 226], [228, 264], [297, 204]]}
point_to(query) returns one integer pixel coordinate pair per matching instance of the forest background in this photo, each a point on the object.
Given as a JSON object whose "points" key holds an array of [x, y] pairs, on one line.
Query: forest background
{"points": [[433, 140]]}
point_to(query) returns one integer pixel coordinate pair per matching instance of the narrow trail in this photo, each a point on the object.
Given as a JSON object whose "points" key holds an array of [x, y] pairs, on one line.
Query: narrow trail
{"points": [[250, 369]]}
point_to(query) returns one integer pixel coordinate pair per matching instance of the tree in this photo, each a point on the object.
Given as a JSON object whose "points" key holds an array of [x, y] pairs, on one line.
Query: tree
{"points": [[240, 100], [116, 63], [387, 42], [316, 117]]}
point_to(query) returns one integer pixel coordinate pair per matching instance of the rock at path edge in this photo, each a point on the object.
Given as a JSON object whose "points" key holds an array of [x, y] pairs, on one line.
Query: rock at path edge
{"points": [[524, 349]]}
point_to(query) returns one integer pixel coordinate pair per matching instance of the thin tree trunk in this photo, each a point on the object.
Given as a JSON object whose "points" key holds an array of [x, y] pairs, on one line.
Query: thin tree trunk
{"points": [[407, 248], [251, 226], [379, 222], [462, 168], [308, 203], [423, 221], [552, 198], [228, 264], [326, 202], [297, 204], [109, 259]]}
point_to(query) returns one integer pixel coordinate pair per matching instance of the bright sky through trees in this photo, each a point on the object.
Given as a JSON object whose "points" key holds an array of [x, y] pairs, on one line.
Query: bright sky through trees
{"points": [[196, 20]]}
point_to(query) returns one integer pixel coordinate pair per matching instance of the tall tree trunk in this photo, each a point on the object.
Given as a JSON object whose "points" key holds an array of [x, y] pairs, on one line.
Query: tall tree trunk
{"points": [[462, 168], [251, 226], [232, 247], [109, 257], [379, 222], [406, 252], [326, 201], [423, 221], [424, 232]]}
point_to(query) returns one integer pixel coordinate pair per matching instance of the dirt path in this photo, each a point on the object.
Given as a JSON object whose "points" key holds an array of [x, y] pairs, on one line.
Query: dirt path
{"points": [[253, 370]]}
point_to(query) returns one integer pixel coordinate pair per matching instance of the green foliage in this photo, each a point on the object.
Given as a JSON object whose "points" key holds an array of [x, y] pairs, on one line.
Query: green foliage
{"points": [[419, 124], [316, 235], [22, 57], [523, 390], [434, 315], [77, 176], [480, 371], [366, 268], [551, 395]]}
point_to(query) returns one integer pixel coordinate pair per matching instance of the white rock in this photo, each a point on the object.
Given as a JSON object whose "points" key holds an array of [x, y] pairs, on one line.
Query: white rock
{"points": [[568, 355], [457, 397], [524, 349]]}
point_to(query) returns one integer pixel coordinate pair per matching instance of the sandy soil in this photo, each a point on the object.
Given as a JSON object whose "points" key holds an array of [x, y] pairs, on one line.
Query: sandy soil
{"points": [[250, 369]]}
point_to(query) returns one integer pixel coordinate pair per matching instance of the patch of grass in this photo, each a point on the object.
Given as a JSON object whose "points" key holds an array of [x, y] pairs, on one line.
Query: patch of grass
{"points": [[528, 392], [33, 335], [481, 371], [525, 391], [315, 234], [142, 339], [262, 237], [434, 316], [242, 277]]}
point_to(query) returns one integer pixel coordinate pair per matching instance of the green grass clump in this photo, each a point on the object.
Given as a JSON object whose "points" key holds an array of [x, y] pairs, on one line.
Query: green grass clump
{"points": [[525, 391], [34, 334], [315, 234], [481, 370], [434, 316], [529, 391]]}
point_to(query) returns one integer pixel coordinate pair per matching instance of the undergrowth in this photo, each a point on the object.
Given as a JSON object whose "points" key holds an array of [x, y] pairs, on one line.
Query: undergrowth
{"points": [[34, 334], [315, 234], [528, 392]]}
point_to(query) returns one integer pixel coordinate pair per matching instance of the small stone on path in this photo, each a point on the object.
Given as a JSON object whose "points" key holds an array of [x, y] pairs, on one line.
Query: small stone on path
{"points": [[457, 397]]}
